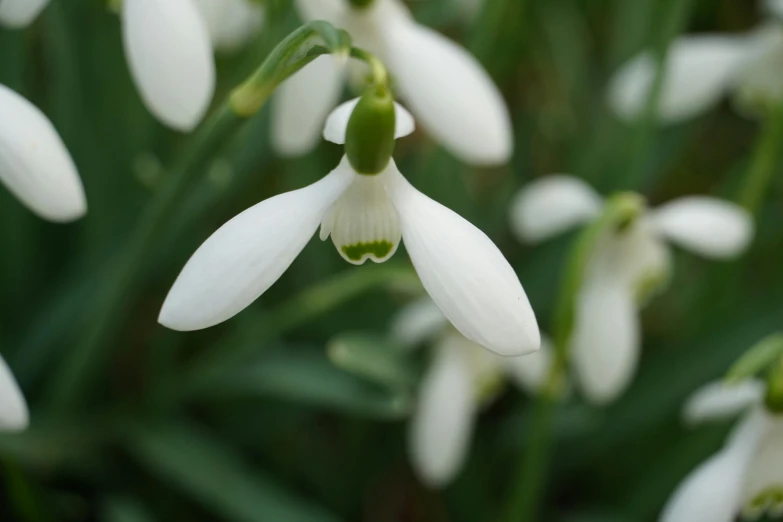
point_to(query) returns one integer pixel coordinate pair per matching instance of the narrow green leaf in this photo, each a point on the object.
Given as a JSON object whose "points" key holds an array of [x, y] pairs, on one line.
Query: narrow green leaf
{"points": [[307, 377], [216, 477], [759, 358], [373, 357]]}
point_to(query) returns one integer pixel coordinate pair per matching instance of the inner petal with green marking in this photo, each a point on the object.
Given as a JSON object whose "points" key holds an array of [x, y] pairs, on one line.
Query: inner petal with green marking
{"points": [[363, 223]]}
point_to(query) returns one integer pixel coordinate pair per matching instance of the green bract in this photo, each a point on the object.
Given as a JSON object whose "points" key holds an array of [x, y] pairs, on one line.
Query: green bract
{"points": [[369, 138]]}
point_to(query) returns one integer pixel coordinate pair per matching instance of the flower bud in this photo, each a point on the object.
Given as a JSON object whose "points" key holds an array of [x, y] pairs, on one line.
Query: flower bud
{"points": [[369, 139]]}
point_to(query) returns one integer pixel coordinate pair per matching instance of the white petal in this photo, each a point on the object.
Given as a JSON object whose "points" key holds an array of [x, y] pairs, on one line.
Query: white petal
{"points": [[418, 322], [606, 339], [302, 105], [452, 96], [13, 407], [699, 71], [708, 226], [552, 204], [529, 372], [465, 274], [761, 79], [169, 52], [442, 425], [231, 23], [764, 484], [719, 400], [248, 254], [332, 11], [20, 13], [711, 493], [337, 122], [34, 163], [363, 222]]}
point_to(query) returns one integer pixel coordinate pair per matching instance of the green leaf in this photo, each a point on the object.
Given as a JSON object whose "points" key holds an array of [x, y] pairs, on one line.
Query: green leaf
{"points": [[216, 477], [373, 357], [307, 377], [757, 359]]}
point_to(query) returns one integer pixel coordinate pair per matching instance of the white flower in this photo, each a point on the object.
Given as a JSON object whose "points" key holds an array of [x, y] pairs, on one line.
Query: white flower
{"points": [[20, 13], [231, 23], [445, 86], [34, 163], [701, 70], [461, 378], [13, 408], [168, 48], [746, 476], [626, 267], [366, 216]]}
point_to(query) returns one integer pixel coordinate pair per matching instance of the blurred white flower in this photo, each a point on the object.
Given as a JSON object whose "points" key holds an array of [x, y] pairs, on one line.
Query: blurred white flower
{"points": [[13, 408], [169, 52], [461, 378], [366, 216], [701, 70], [34, 163], [746, 476], [20, 13], [627, 267], [445, 86], [231, 23]]}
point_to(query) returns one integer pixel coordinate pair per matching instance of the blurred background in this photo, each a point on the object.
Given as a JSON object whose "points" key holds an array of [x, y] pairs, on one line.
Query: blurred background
{"points": [[290, 435]]}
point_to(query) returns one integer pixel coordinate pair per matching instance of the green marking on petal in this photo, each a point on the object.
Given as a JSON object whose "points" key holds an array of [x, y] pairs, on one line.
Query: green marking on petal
{"points": [[376, 249]]}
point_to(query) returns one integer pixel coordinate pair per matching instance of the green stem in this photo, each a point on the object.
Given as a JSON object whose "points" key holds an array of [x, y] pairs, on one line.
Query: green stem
{"points": [[380, 75], [115, 295], [532, 472], [766, 158], [674, 16]]}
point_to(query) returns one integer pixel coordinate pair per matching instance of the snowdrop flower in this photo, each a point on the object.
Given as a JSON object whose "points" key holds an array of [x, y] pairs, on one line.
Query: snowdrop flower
{"points": [[461, 379], [627, 267], [169, 52], [701, 70], [20, 13], [445, 86], [746, 476], [34, 163], [366, 215], [13, 407], [231, 23]]}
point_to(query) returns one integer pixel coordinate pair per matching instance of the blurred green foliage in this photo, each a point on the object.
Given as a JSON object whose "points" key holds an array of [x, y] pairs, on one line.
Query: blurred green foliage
{"points": [[250, 421]]}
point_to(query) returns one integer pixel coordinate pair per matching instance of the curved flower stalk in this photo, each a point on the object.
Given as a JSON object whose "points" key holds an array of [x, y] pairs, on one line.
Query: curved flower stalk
{"points": [[13, 408], [20, 13], [231, 23], [626, 268], [169, 52], [366, 215], [746, 476], [461, 378], [446, 88], [701, 70], [34, 163]]}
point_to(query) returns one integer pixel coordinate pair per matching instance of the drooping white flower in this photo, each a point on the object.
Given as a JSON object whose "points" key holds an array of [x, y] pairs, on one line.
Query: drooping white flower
{"points": [[626, 266], [169, 52], [746, 476], [461, 378], [20, 13], [231, 23], [366, 217], [447, 89], [700, 71], [34, 163], [13, 408]]}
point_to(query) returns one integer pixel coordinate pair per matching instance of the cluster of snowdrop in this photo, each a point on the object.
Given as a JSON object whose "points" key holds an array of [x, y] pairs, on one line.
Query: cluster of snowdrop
{"points": [[478, 317]]}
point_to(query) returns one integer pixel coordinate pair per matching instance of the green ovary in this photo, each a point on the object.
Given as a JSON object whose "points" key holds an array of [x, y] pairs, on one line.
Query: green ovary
{"points": [[376, 249]]}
